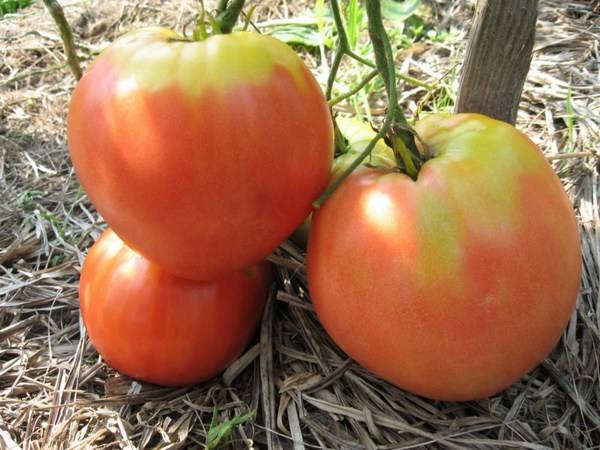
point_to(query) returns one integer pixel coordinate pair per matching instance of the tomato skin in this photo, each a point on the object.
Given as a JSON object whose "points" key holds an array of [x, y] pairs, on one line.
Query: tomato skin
{"points": [[163, 329], [201, 156], [456, 285]]}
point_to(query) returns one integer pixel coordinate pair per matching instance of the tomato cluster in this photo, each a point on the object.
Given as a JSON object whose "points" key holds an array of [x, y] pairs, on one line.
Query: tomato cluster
{"points": [[202, 157]]}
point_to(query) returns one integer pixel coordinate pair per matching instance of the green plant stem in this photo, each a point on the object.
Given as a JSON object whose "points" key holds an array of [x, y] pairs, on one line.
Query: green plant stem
{"points": [[359, 58], [339, 25], [384, 57], [228, 18], [200, 32], [358, 87], [248, 20], [222, 6], [385, 67], [384, 60], [335, 65], [414, 81], [343, 48], [66, 35]]}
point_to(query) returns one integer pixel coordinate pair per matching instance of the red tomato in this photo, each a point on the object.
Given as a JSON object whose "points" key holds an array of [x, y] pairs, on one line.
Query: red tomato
{"points": [[164, 329], [202, 156], [455, 285]]}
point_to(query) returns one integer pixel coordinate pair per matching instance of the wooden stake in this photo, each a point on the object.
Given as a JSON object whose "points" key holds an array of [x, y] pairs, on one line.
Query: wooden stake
{"points": [[497, 58]]}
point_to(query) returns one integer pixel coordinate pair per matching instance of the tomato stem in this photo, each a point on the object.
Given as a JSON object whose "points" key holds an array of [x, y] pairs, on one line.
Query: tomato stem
{"points": [[398, 128], [228, 17], [222, 6], [221, 23]]}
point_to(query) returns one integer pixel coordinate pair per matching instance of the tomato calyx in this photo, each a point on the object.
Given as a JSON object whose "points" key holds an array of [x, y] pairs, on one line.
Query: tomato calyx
{"points": [[402, 138]]}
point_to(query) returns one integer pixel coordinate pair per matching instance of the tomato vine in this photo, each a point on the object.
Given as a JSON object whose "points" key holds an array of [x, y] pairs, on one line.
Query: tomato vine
{"points": [[385, 66]]}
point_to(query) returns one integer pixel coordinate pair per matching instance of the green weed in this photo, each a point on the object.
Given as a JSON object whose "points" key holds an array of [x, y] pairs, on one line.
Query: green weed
{"points": [[11, 6], [355, 16], [218, 433], [27, 199]]}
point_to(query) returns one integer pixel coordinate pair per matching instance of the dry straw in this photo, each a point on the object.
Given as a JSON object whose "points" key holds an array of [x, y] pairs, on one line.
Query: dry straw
{"points": [[55, 392]]}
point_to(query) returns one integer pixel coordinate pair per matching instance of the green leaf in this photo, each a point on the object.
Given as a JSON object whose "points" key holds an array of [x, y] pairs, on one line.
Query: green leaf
{"points": [[11, 6], [218, 432], [398, 11], [305, 35], [354, 19], [320, 15]]}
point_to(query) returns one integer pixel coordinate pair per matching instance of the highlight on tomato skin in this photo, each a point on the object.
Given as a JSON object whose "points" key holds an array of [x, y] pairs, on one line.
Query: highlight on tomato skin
{"points": [[215, 148], [457, 284], [163, 329]]}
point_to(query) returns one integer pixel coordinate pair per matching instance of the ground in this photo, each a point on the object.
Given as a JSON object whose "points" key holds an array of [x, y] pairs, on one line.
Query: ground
{"points": [[55, 391]]}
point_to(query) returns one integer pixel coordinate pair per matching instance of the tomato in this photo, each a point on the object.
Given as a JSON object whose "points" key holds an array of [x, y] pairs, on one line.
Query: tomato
{"points": [[457, 284], [202, 156], [163, 329], [358, 135]]}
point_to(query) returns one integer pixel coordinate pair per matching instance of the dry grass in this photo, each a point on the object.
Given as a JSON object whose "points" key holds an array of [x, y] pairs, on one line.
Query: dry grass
{"points": [[55, 392]]}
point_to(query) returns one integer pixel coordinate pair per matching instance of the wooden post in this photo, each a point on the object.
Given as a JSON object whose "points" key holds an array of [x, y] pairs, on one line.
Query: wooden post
{"points": [[497, 58]]}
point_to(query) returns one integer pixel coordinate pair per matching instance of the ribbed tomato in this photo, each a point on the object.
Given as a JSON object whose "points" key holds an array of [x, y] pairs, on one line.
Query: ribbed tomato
{"points": [[202, 156], [163, 329], [454, 285]]}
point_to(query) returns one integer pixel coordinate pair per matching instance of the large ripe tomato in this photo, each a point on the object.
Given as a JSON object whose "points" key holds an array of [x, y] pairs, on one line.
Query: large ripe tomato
{"points": [[455, 285], [163, 329], [202, 156]]}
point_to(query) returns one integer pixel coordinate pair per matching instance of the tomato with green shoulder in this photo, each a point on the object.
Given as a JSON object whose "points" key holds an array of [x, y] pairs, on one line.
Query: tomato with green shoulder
{"points": [[453, 285], [201, 155]]}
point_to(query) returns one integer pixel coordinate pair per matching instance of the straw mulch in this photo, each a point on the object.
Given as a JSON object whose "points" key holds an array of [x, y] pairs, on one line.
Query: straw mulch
{"points": [[56, 393]]}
